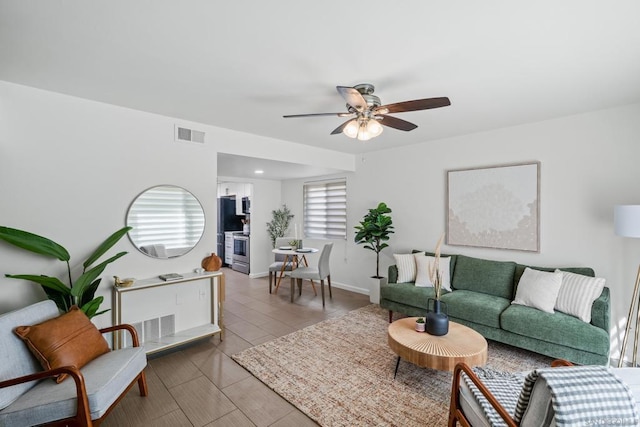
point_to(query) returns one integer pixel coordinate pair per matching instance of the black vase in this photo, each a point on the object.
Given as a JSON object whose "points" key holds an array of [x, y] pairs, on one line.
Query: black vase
{"points": [[437, 319]]}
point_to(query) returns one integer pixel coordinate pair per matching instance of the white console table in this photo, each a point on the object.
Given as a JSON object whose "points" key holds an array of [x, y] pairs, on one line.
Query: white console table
{"points": [[165, 341]]}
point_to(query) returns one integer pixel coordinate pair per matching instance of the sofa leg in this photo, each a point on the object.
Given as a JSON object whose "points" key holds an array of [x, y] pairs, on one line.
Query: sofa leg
{"points": [[390, 316]]}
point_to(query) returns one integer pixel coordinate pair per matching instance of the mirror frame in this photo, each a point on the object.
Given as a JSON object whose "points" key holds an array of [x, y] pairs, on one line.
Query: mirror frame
{"points": [[139, 247]]}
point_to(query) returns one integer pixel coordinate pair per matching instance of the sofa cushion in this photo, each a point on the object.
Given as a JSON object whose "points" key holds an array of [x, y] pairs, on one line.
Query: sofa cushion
{"points": [[485, 276], [406, 293], [557, 328], [15, 358], [539, 289], [577, 294], [422, 270], [67, 340], [105, 379], [475, 307]]}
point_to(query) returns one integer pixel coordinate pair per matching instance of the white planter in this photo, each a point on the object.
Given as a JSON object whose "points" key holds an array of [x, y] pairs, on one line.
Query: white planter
{"points": [[374, 288]]}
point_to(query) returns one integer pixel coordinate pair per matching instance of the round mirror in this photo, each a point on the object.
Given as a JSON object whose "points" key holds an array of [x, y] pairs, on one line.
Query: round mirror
{"points": [[167, 221]]}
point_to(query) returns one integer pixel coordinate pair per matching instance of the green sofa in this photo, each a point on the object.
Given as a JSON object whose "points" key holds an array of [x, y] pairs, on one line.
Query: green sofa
{"points": [[482, 291]]}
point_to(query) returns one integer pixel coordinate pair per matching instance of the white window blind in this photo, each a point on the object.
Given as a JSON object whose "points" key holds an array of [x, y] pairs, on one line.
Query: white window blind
{"points": [[166, 215], [325, 209]]}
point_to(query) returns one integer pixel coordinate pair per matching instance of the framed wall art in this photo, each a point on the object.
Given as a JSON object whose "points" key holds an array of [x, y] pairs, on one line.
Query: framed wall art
{"points": [[495, 207]]}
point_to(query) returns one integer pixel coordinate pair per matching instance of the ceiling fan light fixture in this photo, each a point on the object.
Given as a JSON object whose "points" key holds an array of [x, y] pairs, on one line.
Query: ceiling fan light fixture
{"points": [[351, 129], [374, 128]]}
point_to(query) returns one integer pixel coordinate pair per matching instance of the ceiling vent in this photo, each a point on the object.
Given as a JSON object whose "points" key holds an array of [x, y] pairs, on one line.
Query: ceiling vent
{"points": [[190, 135]]}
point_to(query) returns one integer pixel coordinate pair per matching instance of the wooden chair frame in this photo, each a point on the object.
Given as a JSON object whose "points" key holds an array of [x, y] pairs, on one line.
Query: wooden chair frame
{"points": [[455, 410], [83, 411]]}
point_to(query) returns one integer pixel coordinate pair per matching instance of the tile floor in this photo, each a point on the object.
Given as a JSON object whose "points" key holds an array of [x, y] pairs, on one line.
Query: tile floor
{"points": [[200, 385]]}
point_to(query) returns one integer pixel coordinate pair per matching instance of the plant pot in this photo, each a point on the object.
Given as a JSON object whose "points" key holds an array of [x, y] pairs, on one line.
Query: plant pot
{"points": [[420, 327], [374, 288]]}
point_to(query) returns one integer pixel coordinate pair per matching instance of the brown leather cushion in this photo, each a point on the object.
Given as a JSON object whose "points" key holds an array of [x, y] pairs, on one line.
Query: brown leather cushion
{"points": [[68, 340]]}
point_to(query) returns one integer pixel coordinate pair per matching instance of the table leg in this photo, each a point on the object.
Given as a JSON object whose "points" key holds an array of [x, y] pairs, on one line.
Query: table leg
{"points": [[304, 259], [396, 371], [284, 264]]}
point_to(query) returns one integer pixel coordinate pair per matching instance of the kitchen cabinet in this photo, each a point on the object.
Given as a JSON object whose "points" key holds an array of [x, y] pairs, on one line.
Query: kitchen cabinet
{"points": [[228, 247]]}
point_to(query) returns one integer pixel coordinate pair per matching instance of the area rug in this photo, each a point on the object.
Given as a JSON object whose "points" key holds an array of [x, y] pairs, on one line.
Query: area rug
{"points": [[340, 373]]}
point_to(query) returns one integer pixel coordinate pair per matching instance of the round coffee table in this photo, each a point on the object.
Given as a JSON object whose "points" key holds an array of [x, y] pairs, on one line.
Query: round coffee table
{"points": [[461, 344]]}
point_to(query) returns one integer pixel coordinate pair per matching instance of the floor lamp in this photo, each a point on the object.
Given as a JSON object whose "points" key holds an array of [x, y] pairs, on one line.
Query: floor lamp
{"points": [[626, 219]]}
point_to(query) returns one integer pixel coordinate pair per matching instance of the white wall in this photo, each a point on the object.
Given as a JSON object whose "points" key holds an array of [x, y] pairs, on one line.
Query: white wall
{"points": [[69, 168], [588, 165]]}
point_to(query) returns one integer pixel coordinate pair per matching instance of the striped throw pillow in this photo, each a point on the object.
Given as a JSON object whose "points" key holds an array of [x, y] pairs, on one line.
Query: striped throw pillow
{"points": [[577, 294], [406, 264]]}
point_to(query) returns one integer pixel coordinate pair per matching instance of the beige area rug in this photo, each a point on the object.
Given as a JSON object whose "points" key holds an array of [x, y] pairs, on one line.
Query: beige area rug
{"points": [[340, 373]]}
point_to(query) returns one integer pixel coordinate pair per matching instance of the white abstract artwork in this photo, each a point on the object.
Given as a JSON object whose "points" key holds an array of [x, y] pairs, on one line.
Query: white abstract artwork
{"points": [[494, 207]]}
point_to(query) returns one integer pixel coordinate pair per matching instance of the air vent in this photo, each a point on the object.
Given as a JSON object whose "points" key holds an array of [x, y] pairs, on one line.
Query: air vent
{"points": [[190, 135]]}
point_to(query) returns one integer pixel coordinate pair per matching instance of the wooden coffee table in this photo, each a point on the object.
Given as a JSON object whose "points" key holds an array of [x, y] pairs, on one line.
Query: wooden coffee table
{"points": [[461, 344]]}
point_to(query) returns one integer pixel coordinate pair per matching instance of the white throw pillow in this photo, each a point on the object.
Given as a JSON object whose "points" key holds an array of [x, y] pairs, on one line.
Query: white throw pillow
{"points": [[422, 276], [538, 289], [406, 264], [577, 294]]}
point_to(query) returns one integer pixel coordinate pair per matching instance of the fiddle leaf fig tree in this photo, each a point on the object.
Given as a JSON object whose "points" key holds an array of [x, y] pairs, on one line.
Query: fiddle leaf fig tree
{"points": [[373, 231], [82, 291], [279, 224]]}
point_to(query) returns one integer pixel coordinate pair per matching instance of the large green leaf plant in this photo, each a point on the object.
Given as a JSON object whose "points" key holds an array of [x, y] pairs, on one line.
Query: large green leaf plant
{"points": [[373, 231], [80, 292]]}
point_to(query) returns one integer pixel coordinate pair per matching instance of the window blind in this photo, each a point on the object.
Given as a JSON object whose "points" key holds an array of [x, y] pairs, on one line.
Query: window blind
{"points": [[325, 209], [166, 215]]}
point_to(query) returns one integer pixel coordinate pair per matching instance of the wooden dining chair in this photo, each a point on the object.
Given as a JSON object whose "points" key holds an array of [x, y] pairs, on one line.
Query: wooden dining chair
{"points": [[321, 273]]}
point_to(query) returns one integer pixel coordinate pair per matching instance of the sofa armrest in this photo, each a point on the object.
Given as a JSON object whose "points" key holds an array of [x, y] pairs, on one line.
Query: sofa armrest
{"points": [[131, 329], [455, 410], [393, 274], [601, 310], [83, 413]]}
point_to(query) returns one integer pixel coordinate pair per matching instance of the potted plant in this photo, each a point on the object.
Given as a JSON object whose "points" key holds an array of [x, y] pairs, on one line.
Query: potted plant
{"points": [[420, 325], [80, 292], [279, 223], [373, 232]]}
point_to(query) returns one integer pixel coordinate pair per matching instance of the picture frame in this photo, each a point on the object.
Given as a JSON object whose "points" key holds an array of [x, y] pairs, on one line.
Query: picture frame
{"points": [[494, 207]]}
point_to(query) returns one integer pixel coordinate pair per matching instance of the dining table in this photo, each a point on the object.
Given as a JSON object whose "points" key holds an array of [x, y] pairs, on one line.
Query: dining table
{"points": [[295, 257]]}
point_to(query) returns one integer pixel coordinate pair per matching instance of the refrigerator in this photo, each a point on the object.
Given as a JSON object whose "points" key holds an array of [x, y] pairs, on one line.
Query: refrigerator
{"points": [[227, 221]]}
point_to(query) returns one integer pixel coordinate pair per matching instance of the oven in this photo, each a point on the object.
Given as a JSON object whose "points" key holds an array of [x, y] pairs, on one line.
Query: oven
{"points": [[240, 253]]}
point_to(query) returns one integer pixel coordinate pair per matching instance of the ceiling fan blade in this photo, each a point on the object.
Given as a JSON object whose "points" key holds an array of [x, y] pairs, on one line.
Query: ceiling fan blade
{"points": [[353, 97], [418, 104], [317, 114], [340, 128], [396, 123]]}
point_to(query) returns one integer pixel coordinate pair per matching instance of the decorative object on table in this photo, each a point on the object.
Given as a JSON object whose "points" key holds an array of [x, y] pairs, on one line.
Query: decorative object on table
{"points": [[199, 270], [279, 224], [626, 219], [212, 262], [495, 207], [437, 320], [293, 244], [420, 324], [80, 292], [246, 229], [373, 231], [122, 283], [167, 277]]}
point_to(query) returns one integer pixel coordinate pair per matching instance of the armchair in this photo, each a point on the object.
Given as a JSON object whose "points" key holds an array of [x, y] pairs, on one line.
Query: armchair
{"points": [[29, 397]]}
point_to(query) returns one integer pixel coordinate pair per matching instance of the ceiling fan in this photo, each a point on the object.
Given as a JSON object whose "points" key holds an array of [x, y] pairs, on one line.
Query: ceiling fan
{"points": [[366, 115]]}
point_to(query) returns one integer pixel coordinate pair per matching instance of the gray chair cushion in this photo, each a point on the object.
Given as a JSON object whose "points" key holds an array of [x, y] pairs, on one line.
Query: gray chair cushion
{"points": [[15, 358], [106, 378]]}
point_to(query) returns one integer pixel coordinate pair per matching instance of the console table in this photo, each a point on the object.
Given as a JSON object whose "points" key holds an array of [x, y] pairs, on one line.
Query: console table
{"points": [[163, 332]]}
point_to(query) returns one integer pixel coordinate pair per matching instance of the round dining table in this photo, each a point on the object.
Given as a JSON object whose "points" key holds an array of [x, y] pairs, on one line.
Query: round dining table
{"points": [[295, 257]]}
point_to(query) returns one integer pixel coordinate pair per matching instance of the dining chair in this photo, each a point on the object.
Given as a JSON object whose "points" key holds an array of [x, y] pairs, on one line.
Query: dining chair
{"points": [[309, 273], [276, 267]]}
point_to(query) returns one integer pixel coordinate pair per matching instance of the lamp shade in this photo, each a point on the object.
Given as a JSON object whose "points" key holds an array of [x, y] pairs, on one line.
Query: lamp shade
{"points": [[626, 220]]}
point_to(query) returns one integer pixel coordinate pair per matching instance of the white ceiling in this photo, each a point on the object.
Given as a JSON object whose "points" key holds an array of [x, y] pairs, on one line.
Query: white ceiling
{"points": [[243, 64]]}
